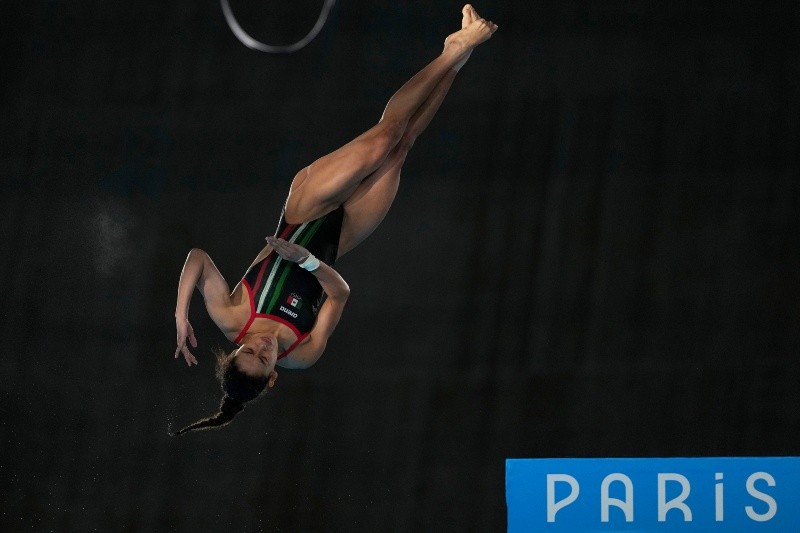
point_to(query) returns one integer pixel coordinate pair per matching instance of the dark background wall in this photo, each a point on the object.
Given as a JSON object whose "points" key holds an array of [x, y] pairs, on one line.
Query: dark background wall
{"points": [[593, 253]]}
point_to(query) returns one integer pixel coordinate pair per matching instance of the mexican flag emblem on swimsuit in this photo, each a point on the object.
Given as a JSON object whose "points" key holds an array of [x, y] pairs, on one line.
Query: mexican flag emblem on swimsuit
{"points": [[295, 301]]}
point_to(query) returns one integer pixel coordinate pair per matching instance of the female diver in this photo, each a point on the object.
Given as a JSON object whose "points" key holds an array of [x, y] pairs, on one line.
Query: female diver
{"points": [[290, 299]]}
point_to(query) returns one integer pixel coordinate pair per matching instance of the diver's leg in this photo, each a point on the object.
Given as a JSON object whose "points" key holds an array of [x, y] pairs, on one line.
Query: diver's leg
{"points": [[367, 206], [332, 179]]}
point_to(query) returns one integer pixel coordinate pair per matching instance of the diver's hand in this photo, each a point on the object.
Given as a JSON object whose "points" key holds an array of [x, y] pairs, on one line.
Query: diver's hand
{"points": [[185, 332], [288, 250]]}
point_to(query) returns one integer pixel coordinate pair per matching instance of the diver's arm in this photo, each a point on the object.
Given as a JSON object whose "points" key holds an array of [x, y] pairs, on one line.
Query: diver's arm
{"points": [[337, 292], [332, 283], [199, 271], [192, 270], [309, 352]]}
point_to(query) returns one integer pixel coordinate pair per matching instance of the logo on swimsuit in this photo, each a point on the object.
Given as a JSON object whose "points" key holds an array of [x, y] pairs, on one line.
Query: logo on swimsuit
{"points": [[288, 312], [295, 301]]}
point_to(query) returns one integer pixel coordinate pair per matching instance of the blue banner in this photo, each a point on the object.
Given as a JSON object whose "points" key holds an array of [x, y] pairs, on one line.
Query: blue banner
{"points": [[676, 494]]}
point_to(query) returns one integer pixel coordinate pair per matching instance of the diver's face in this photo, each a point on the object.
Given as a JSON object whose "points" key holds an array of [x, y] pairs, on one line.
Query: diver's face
{"points": [[257, 356]]}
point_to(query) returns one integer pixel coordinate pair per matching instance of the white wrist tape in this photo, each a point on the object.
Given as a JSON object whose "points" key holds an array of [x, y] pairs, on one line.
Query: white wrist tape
{"points": [[310, 263]]}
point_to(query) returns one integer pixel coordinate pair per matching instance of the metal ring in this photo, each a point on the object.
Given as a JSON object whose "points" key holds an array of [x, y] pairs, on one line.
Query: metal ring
{"points": [[261, 47]]}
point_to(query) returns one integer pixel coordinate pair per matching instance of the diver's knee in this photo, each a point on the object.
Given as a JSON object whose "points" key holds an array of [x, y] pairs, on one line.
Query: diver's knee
{"points": [[390, 133], [406, 141]]}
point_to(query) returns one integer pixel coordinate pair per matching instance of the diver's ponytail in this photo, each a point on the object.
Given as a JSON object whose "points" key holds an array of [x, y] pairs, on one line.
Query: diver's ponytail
{"points": [[238, 387], [228, 409]]}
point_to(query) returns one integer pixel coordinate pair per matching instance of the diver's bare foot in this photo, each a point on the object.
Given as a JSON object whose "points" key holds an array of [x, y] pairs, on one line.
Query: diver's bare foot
{"points": [[474, 30], [467, 16]]}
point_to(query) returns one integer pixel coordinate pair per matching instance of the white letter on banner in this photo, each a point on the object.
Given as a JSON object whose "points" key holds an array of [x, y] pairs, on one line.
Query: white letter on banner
{"points": [[552, 506], [719, 504], [675, 503], [766, 498], [605, 501]]}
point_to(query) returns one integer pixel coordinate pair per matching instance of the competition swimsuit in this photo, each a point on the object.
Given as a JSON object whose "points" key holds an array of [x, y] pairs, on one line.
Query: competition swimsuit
{"points": [[282, 291]]}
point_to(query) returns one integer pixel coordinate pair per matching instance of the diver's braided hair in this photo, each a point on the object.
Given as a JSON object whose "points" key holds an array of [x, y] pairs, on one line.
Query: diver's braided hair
{"points": [[239, 388], [227, 410]]}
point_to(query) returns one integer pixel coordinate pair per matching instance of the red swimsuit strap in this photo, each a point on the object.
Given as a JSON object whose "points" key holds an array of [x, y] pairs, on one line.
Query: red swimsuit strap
{"points": [[293, 346], [252, 312]]}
